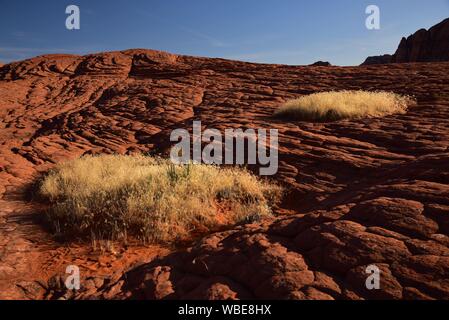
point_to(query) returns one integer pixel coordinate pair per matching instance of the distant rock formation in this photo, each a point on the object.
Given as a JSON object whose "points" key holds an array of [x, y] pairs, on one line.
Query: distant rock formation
{"points": [[386, 58], [423, 46], [321, 64]]}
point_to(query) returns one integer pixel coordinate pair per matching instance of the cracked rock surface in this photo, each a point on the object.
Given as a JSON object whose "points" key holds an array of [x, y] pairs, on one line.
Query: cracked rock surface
{"points": [[359, 192]]}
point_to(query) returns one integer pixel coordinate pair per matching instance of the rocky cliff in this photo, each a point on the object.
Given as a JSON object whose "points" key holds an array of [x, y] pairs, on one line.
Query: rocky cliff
{"points": [[423, 46]]}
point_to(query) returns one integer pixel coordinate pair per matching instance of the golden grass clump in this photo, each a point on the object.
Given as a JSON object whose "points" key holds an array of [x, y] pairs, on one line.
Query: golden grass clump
{"points": [[112, 197], [338, 105]]}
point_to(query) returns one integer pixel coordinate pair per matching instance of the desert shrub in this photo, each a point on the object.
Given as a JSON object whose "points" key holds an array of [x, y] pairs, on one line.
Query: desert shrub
{"points": [[113, 197], [338, 105]]}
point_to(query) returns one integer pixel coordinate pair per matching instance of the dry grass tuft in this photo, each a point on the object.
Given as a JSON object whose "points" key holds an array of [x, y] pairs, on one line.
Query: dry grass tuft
{"points": [[113, 197], [338, 105]]}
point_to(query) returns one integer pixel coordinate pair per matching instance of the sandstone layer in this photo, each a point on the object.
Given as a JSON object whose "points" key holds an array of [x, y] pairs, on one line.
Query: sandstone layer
{"points": [[359, 192]]}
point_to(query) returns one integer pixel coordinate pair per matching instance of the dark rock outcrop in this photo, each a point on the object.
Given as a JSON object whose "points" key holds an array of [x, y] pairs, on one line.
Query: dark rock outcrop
{"points": [[423, 46], [386, 58], [321, 64]]}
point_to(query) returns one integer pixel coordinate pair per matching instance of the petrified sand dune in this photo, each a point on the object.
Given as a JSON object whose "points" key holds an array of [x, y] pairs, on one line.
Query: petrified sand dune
{"points": [[373, 191]]}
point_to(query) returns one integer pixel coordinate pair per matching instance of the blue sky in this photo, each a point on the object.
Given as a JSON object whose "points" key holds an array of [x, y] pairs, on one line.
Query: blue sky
{"points": [[276, 31]]}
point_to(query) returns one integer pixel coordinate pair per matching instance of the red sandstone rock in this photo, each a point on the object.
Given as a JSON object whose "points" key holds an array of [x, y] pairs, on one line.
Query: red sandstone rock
{"points": [[371, 191], [425, 45]]}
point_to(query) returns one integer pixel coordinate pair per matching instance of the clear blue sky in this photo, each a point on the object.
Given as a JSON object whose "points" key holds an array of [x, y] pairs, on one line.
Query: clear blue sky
{"points": [[275, 31]]}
